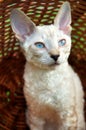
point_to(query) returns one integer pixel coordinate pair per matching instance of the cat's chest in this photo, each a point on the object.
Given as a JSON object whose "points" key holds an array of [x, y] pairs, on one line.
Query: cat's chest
{"points": [[51, 88], [55, 84], [43, 81]]}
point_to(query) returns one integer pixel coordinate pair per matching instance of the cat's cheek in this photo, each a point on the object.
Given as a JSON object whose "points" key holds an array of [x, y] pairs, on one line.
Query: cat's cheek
{"points": [[29, 55], [63, 58]]}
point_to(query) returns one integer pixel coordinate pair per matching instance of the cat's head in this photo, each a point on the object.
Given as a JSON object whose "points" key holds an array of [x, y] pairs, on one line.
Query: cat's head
{"points": [[44, 46]]}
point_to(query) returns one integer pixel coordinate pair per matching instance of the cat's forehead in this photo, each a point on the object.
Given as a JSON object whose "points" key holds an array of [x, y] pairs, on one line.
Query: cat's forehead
{"points": [[49, 31]]}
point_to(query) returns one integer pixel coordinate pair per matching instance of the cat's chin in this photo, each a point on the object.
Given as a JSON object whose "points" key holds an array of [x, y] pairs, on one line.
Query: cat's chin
{"points": [[45, 66]]}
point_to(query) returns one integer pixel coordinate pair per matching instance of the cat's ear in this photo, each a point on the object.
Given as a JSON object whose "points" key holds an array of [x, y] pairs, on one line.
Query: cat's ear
{"points": [[22, 26], [63, 18]]}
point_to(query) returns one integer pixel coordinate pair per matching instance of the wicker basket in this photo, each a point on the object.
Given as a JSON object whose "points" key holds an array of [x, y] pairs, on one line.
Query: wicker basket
{"points": [[12, 102]]}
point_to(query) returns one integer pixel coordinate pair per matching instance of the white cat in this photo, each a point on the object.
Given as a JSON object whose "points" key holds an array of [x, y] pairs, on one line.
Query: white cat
{"points": [[53, 91]]}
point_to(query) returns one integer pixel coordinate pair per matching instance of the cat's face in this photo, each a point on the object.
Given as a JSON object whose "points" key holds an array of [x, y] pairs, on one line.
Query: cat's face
{"points": [[44, 46], [47, 47]]}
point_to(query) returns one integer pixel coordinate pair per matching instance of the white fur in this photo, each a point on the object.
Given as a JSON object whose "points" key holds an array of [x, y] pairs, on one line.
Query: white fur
{"points": [[57, 87], [49, 35], [52, 89]]}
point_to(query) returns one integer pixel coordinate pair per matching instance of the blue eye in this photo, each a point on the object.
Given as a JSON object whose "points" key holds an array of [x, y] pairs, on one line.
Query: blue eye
{"points": [[62, 42], [39, 45]]}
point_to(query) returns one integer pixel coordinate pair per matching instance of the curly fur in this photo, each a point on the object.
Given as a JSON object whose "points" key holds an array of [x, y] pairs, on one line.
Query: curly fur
{"points": [[52, 89]]}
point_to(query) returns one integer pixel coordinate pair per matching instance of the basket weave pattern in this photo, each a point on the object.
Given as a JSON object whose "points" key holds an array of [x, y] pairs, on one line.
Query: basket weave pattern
{"points": [[12, 102]]}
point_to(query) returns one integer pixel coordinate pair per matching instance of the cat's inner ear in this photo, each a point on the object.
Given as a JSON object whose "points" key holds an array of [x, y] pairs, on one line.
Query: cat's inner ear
{"points": [[63, 18], [22, 26]]}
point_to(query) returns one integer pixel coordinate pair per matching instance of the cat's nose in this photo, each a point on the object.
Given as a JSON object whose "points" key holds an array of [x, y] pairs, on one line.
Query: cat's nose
{"points": [[54, 57]]}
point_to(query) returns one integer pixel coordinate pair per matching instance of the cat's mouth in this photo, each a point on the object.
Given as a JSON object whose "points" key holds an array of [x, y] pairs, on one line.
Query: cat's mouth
{"points": [[54, 64]]}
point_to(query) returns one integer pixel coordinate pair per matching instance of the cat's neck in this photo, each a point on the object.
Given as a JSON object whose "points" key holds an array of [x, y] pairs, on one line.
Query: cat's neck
{"points": [[33, 73]]}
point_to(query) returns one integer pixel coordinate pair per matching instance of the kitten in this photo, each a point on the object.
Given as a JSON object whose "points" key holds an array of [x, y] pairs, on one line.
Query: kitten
{"points": [[53, 91]]}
